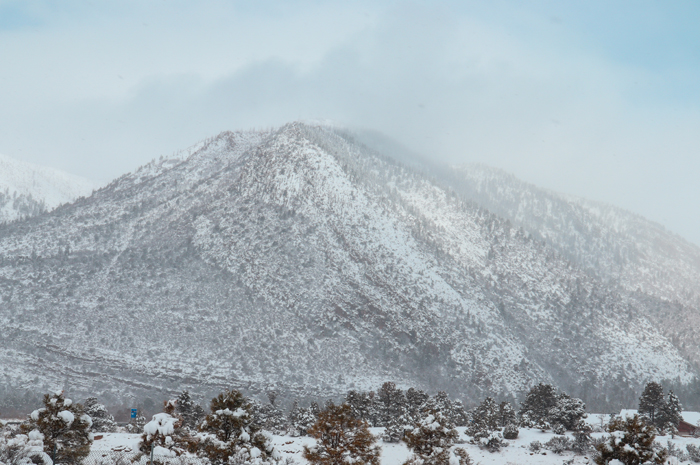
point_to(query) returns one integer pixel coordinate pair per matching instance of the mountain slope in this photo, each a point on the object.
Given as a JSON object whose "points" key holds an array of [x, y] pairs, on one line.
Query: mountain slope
{"points": [[27, 189], [609, 242], [302, 259]]}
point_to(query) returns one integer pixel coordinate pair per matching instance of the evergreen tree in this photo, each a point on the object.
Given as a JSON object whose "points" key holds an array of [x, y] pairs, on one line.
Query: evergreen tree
{"points": [[392, 403], [568, 412], [415, 398], [300, 419], [362, 406], [164, 434], [671, 413], [631, 442], [190, 411], [230, 434], [506, 414], [65, 428], [534, 410], [342, 438], [485, 419], [396, 429], [102, 421], [652, 404], [431, 440]]}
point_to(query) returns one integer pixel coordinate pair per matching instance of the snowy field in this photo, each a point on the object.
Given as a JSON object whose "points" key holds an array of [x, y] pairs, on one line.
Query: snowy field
{"points": [[517, 451]]}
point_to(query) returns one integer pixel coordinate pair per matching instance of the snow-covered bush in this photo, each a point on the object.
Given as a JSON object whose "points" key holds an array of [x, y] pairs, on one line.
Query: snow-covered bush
{"points": [[672, 450], [693, 453], [510, 431], [300, 420], [396, 429], [165, 436], [581, 444], [493, 442], [431, 439], [102, 421], [631, 441], [65, 428], [535, 446], [228, 433], [22, 449], [341, 438], [559, 429], [558, 444]]}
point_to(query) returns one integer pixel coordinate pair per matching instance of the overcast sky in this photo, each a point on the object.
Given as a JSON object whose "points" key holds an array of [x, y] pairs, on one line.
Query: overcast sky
{"points": [[594, 98]]}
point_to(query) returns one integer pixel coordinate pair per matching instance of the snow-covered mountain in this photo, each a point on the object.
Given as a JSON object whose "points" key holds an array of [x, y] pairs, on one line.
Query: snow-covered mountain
{"points": [[301, 258], [27, 189]]}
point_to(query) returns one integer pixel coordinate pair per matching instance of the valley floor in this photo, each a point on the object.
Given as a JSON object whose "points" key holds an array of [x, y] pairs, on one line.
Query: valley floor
{"points": [[517, 451]]}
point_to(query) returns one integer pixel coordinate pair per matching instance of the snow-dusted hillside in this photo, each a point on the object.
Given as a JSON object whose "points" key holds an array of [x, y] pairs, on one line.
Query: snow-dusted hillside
{"points": [[659, 268], [302, 259], [27, 189]]}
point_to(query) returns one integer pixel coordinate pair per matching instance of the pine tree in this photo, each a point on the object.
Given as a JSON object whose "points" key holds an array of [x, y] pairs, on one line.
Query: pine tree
{"points": [[102, 421], [392, 403], [506, 414], [671, 413], [652, 404], [230, 434], [431, 440], [22, 449], [568, 412], [65, 427], [485, 419], [190, 411], [415, 398], [534, 410], [342, 438], [164, 434], [631, 442]]}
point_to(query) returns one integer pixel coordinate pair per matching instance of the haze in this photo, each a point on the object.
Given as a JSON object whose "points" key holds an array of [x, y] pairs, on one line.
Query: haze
{"points": [[588, 98]]}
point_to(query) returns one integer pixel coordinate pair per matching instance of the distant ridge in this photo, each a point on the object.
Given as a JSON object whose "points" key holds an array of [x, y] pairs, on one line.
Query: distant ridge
{"points": [[27, 189]]}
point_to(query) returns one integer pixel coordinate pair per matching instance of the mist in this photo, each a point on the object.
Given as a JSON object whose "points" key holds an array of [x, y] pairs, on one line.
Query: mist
{"points": [[593, 100]]}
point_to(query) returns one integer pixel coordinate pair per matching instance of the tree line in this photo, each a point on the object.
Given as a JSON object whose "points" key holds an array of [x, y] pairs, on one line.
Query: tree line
{"points": [[238, 430]]}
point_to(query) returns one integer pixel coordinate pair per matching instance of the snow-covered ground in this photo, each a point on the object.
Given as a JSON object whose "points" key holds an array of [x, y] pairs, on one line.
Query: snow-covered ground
{"points": [[516, 452]]}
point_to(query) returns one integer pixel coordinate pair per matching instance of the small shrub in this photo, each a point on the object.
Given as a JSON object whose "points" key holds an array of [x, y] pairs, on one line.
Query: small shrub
{"points": [[510, 431], [559, 429], [581, 443], [693, 453], [492, 442], [535, 446], [673, 450], [558, 444]]}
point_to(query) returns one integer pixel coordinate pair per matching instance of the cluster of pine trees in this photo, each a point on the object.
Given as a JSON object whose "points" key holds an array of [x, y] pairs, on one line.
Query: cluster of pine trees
{"points": [[237, 429]]}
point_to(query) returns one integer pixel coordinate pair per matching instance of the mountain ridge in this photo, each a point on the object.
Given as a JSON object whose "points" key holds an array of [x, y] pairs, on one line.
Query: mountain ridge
{"points": [[303, 259]]}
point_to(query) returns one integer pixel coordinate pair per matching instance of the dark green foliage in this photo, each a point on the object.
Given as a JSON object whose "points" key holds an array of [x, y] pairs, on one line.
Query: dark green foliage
{"points": [[431, 439], [485, 419], [544, 408], [342, 438], [102, 421], [300, 419], [165, 431], [392, 403], [631, 442], [65, 426], [671, 412], [231, 431], [534, 410], [191, 412], [506, 414], [652, 403]]}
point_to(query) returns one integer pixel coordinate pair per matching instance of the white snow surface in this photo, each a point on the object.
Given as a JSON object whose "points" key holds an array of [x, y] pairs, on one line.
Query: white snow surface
{"points": [[67, 417], [48, 185], [516, 452]]}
